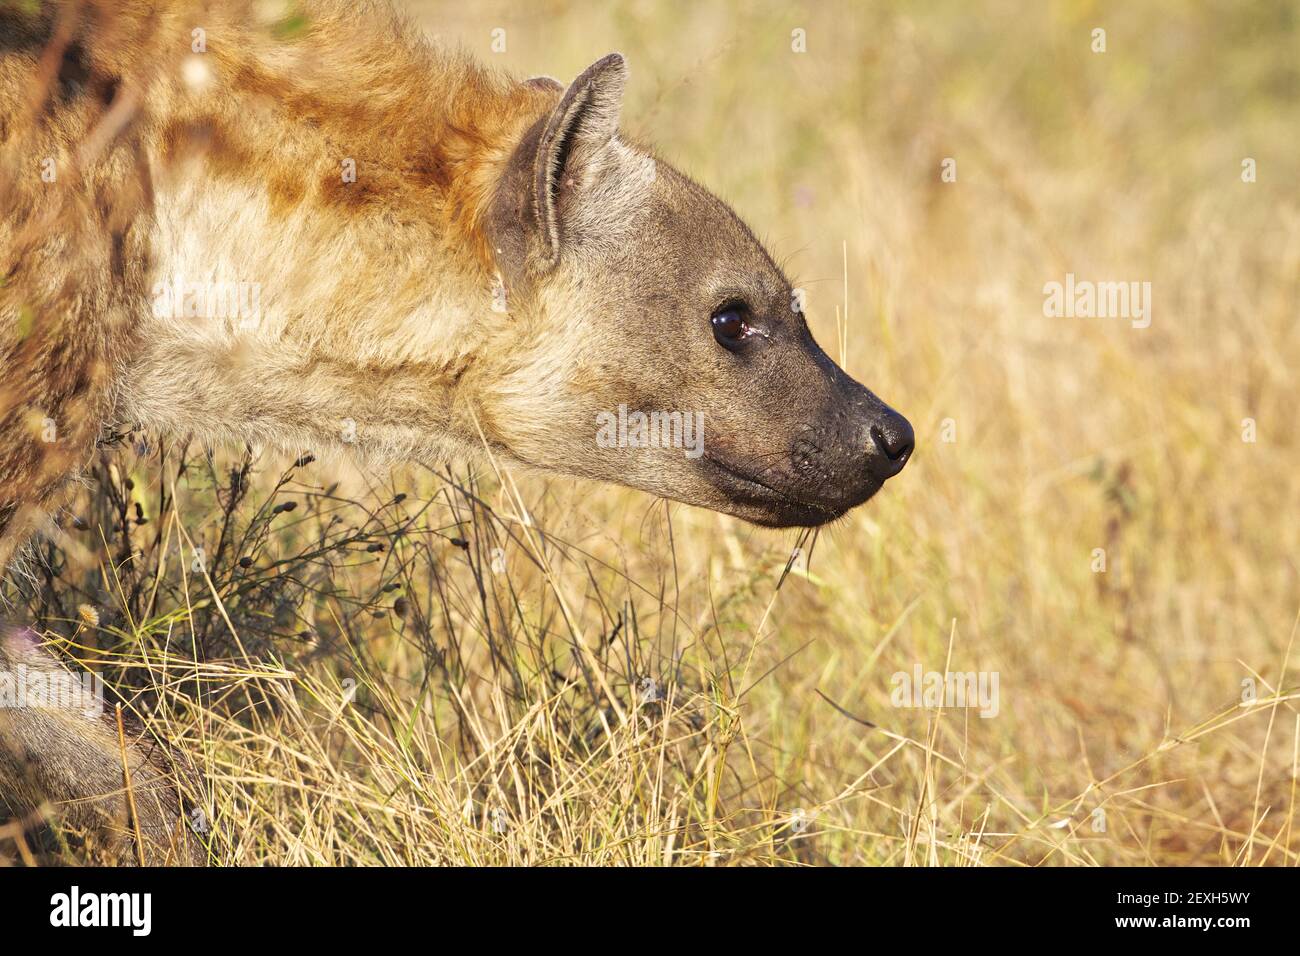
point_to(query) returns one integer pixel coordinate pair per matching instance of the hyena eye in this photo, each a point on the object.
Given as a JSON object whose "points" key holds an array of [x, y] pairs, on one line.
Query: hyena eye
{"points": [[730, 327]]}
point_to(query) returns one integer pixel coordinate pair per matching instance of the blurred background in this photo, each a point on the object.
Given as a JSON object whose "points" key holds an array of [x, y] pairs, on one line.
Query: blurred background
{"points": [[499, 669]]}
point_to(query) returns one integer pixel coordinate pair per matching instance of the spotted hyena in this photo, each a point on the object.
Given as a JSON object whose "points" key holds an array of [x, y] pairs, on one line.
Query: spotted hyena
{"points": [[342, 238]]}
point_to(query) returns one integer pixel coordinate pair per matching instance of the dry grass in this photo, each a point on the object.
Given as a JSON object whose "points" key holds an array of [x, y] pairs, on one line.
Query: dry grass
{"points": [[643, 683]]}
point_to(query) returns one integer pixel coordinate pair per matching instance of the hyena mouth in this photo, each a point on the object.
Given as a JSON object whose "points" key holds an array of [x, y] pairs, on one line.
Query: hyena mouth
{"points": [[757, 500]]}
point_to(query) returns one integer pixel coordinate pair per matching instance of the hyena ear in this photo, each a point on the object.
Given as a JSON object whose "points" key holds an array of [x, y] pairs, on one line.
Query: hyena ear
{"points": [[554, 158], [586, 116]]}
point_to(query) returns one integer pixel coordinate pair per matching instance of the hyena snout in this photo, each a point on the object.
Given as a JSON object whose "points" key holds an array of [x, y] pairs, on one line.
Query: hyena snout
{"points": [[850, 451], [810, 463]]}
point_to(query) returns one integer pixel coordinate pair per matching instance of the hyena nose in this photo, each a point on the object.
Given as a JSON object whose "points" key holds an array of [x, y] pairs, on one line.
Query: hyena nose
{"points": [[892, 441]]}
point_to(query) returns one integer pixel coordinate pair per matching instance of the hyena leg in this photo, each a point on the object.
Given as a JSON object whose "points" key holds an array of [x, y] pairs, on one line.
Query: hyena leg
{"points": [[63, 763], [66, 758]]}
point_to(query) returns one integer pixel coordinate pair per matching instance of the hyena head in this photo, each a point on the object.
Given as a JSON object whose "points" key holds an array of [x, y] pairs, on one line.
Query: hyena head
{"points": [[634, 291]]}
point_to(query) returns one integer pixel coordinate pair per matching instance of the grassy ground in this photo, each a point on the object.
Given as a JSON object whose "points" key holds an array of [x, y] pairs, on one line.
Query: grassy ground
{"points": [[626, 681]]}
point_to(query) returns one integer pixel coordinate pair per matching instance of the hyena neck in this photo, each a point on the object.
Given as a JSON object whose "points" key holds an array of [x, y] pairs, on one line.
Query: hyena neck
{"points": [[320, 278]]}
